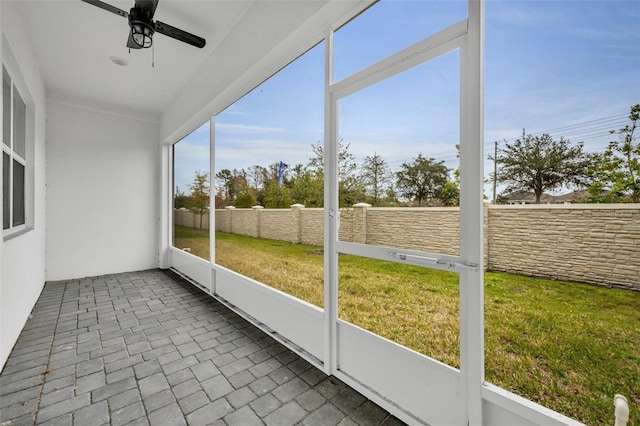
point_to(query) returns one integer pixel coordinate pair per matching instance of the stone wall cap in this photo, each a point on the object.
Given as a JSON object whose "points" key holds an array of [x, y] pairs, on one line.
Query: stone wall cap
{"points": [[362, 205], [297, 206], [420, 209], [258, 207], [579, 206], [230, 207]]}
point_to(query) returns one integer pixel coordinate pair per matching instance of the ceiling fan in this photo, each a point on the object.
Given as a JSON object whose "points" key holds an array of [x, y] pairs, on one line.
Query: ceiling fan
{"points": [[142, 27]]}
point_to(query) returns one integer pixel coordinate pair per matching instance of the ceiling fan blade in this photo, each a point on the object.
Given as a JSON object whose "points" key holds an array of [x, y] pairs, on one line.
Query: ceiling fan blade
{"points": [[148, 6], [179, 34], [130, 43], [107, 7]]}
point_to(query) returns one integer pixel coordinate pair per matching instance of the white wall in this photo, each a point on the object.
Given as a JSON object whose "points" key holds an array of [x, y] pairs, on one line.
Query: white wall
{"points": [[103, 192], [23, 257]]}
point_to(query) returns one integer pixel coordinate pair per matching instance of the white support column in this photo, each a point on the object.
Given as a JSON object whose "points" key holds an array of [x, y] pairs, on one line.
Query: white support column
{"points": [[212, 202], [166, 204], [212, 195], [471, 221], [3, 357], [330, 212]]}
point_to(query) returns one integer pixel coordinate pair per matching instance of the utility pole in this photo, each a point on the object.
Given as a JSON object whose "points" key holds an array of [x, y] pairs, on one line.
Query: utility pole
{"points": [[495, 169]]}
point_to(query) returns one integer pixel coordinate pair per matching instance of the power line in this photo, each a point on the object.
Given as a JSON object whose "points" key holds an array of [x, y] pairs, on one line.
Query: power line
{"points": [[586, 130], [585, 123]]}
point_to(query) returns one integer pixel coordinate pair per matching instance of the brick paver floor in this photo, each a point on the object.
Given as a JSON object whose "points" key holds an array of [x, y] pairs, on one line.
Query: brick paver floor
{"points": [[148, 348]]}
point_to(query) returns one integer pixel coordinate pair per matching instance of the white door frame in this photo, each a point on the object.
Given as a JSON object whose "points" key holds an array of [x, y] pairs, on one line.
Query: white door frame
{"points": [[354, 355]]}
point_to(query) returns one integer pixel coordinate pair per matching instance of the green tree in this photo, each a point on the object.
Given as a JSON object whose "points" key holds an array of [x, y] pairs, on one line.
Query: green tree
{"points": [[245, 199], [391, 197], [181, 200], [245, 194], [306, 187], [277, 196], [616, 172], [422, 179], [537, 163], [450, 194], [225, 178], [232, 183], [346, 162], [257, 178], [200, 193], [376, 178], [350, 186]]}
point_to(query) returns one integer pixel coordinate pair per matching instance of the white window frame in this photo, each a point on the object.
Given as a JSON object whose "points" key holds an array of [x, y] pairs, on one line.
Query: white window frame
{"points": [[17, 86]]}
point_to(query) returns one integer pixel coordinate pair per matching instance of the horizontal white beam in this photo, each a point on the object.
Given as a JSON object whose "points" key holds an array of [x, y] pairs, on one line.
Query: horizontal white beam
{"points": [[525, 408], [438, 44], [411, 257]]}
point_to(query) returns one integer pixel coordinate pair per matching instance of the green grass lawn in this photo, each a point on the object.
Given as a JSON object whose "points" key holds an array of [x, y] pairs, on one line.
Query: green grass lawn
{"points": [[567, 346]]}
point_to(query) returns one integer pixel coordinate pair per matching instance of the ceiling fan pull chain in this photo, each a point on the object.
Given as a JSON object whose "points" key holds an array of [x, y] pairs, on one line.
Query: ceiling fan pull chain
{"points": [[153, 56]]}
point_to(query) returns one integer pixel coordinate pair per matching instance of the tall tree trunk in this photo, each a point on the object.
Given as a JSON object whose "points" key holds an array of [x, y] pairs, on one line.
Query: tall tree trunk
{"points": [[538, 196]]}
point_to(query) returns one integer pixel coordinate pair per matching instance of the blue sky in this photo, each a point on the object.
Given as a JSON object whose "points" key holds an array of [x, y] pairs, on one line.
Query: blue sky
{"points": [[570, 68]]}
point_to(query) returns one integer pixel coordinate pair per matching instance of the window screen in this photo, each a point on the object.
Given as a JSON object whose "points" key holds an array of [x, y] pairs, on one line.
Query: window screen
{"points": [[14, 156], [18, 194], [19, 124], [6, 108], [6, 206]]}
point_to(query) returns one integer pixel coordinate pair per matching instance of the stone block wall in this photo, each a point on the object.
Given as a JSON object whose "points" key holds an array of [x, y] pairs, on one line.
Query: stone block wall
{"points": [[280, 224], [346, 226], [312, 226], [223, 220], [184, 217], [434, 230], [245, 222], [597, 244]]}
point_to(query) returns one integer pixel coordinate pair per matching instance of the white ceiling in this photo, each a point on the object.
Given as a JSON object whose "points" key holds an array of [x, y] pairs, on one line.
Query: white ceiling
{"points": [[73, 42]]}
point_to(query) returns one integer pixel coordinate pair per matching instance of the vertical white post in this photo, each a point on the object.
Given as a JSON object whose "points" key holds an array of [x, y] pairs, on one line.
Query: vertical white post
{"points": [[212, 196], [471, 211], [621, 410], [166, 204], [212, 201], [330, 212], [3, 356]]}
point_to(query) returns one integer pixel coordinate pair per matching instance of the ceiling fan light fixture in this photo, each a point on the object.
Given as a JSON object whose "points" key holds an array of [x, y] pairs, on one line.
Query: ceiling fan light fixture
{"points": [[142, 35], [142, 28]]}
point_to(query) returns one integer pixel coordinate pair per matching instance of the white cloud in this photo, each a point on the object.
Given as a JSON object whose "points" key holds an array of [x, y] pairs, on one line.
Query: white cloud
{"points": [[233, 128], [188, 152], [245, 153]]}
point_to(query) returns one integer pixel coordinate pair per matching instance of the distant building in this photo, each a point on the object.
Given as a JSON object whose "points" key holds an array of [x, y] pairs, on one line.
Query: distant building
{"points": [[523, 197]]}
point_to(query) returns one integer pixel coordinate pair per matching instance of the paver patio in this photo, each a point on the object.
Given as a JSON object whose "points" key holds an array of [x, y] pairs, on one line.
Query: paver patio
{"points": [[146, 348]]}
